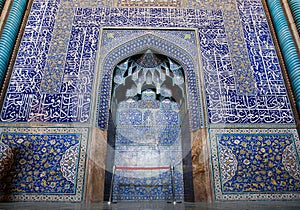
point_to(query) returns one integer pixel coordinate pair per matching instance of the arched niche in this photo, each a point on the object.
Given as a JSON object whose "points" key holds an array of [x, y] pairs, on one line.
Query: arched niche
{"points": [[148, 70], [156, 44], [147, 104], [189, 97]]}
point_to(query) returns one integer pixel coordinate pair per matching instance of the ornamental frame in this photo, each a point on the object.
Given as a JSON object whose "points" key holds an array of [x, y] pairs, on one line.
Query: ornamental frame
{"points": [[191, 66]]}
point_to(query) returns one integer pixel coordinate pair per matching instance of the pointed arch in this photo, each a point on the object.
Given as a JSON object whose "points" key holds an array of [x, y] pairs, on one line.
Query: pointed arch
{"points": [[159, 45]]}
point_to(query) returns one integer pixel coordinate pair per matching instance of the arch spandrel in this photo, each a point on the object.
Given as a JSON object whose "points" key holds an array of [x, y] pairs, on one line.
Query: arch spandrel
{"points": [[160, 46]]}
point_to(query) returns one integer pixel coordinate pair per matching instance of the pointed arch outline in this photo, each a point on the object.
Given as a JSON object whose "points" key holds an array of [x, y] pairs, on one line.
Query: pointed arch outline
{"points": [[161, 46]]}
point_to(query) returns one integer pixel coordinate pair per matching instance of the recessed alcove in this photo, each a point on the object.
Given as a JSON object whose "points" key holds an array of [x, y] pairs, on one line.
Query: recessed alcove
{"points": [[146, 157]]}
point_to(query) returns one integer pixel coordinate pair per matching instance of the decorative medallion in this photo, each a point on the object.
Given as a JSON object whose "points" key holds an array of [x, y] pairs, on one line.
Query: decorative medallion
{"points": [[6, 159], [228, 163], [291, 161], [69, 162]]}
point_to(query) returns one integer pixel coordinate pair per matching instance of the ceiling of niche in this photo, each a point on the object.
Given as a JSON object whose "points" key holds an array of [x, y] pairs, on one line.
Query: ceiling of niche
{"points": [[148, 70]]}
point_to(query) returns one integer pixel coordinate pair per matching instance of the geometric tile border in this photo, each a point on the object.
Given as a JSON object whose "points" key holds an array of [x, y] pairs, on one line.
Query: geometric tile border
{"points": [[255, 164], [146, 3], [49, 175]]}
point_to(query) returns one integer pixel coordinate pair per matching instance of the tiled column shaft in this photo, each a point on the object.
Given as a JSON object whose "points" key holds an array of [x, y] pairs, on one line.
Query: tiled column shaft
{"points": [[291, 16], [287, 46], [295, 7], [10, 33], [1, 5]]}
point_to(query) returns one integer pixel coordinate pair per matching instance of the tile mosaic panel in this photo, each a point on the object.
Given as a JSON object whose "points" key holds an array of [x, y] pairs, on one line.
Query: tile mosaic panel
{"points": [[255, 164], [243, 83], [80, 61], [6, 159], [28, 99], [157, 186], [262, 54], [145, 150], [54, 68], [26, 77], [243, 74], [43, 163], [149, 3], [162, 135]]}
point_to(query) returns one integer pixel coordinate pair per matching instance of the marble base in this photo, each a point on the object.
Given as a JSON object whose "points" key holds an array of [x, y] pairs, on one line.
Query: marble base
{"points": [[201, 169], [96, 166]]}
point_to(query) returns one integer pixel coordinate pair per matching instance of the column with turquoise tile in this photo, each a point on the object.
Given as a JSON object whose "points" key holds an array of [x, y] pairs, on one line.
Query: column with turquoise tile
{"points": [[9, 34], [1, 5], [295, 7], [287, 46]]}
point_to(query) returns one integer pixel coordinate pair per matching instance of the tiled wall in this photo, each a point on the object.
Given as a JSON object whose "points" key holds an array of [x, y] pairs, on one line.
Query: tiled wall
{"points": [[162, 42], [43, 163], [148, 146], [255, 164], [67, 51], [242, 78]]}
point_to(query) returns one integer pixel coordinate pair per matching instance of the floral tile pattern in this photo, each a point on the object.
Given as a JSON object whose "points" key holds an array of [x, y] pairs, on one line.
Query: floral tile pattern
{"points": [[255, 164], [49, 164]]}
